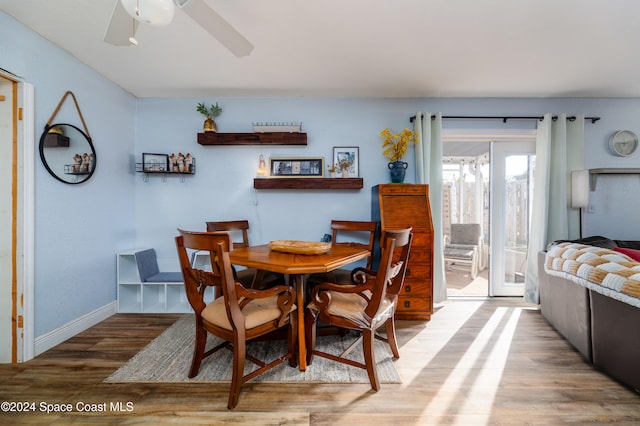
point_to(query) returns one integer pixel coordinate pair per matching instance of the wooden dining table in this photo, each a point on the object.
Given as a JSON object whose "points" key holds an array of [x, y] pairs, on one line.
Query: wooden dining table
{"points": [[297, 266]]}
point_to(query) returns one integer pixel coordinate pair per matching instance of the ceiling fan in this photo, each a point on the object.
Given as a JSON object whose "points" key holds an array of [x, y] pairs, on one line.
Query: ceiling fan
{"points": [[127, 14]]}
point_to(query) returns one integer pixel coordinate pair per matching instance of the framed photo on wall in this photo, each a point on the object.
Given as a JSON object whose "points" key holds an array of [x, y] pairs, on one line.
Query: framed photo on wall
{"points": [[349, 157], [309, 167], [155, 162]]}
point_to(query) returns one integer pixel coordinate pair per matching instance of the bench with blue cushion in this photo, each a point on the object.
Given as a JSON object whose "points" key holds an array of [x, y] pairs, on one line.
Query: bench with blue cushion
{"points": [[150, 272]]}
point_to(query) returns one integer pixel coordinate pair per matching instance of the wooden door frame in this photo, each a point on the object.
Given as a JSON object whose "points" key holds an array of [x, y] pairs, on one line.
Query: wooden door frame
{"points": [[23, 218]]}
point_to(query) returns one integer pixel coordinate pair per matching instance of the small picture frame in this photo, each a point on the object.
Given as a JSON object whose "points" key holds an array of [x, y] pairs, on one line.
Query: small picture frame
{"points": [[155, 162], [349, 155], [287, 167]]}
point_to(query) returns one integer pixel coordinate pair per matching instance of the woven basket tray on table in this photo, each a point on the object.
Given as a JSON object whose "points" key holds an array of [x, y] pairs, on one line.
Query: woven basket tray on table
{"points": [[299, 247]]}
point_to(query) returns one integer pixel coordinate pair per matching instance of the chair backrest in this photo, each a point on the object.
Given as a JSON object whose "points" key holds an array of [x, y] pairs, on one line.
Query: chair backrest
{"points": [[390, 274], [196, 280], [400, 258], [232, 225], [350, 228], [465, 233]]}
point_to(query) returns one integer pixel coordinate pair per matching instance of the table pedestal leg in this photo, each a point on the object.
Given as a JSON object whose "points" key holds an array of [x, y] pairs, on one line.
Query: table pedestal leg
{"points": [[302, 349]]}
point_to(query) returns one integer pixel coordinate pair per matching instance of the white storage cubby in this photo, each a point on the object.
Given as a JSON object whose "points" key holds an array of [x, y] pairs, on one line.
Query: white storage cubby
{"points": [[135, 296]]}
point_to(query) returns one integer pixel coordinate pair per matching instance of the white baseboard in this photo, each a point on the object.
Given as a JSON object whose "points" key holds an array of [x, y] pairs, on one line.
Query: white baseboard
{"points": [[55, 337]]}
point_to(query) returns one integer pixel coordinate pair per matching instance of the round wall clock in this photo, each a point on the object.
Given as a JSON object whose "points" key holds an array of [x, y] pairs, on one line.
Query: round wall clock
{"points": [[623, 143]]}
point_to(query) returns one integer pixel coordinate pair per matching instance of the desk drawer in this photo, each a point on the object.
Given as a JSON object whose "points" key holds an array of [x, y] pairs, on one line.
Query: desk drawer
{"points": [[419, 271], [420, 256], [416, 287], [414, 307], [417, 255]]}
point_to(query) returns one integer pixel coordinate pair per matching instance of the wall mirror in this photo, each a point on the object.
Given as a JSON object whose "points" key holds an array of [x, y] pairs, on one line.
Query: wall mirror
{"points": [[65, 150], [67, 153]]}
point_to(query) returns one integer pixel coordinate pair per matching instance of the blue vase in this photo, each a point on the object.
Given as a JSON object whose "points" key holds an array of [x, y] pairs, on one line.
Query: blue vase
{"points": [[397, 170]]}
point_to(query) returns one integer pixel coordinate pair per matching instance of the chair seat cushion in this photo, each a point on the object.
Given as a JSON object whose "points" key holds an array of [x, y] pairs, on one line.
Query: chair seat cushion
{"points": [[165, 277], [256, 313], [351, 306], [459, 253]]}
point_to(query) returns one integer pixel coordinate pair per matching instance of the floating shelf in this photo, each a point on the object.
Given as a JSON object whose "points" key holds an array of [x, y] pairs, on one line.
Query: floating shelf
{"points": [[267, 138], [308, 183], [594, 173]]}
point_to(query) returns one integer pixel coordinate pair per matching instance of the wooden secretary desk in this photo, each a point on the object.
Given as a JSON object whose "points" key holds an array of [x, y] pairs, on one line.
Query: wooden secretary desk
{"points": [[397, 206]]}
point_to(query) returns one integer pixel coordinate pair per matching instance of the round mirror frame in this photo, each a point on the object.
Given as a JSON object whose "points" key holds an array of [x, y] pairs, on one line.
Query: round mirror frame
{"points": [[92, 168]]}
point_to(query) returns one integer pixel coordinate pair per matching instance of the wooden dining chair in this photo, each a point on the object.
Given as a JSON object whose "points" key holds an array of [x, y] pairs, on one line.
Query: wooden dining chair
{"points": [[343, 232], [365, 305], [250, 277], [238, 316]]}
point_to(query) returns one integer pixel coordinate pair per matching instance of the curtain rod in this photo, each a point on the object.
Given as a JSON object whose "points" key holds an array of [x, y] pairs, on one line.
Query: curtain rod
{"points": [[503, 118]]}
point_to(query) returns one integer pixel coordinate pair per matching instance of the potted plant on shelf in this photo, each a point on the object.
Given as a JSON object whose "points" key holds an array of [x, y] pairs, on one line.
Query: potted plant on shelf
{"points": [[344, 165], [394, 146], [210, 113]]}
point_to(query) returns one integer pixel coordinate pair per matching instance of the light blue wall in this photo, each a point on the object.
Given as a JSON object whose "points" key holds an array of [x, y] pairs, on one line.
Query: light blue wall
{"points": [[78, 228], [222, 188]]}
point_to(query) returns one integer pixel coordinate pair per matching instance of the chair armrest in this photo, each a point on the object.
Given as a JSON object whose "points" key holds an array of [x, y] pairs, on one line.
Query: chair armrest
{"points": [[286, 298], [251, 293], [202, 280], [361, 275], [321, 298]]}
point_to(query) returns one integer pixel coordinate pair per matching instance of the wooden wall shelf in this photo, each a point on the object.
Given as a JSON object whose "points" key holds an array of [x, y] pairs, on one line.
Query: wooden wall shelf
{"points": [[267, 138], [308, 183]]}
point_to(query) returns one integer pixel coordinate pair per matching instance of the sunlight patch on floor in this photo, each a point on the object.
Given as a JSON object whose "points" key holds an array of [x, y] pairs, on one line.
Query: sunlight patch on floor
{"points": [[493, 341], [487, 383]]}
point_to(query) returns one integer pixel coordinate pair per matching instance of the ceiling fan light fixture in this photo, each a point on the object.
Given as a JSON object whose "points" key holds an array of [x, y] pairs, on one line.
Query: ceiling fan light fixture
{"points": [[154, 12]]}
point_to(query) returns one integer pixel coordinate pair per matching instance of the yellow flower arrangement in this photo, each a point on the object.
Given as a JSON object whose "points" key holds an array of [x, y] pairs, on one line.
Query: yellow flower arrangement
{"points": [[343, 165], [395, 144]]}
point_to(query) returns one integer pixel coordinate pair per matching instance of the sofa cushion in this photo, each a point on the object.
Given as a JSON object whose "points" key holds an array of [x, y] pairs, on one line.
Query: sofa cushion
{"points": [[603, 270]]}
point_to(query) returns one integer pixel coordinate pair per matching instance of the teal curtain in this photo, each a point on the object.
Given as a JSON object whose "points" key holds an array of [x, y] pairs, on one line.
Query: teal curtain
{"points": [[428, 156], [559, 151]]}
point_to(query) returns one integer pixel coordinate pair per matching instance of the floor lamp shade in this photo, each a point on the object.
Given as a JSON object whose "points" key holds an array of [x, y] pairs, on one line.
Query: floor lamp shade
{"points": [[579, 189]]}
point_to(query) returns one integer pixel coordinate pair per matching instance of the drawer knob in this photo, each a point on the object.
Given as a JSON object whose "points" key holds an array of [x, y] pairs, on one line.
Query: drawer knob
{"points": [[408, 272], [407, 304], [407, 288]]}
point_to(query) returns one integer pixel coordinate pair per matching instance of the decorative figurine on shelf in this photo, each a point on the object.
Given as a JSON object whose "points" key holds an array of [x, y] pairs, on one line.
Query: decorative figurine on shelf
{"points": [[77, 162], [188, 163], [84, 166], [90, 169], [172, 162], [180, 162], [210, 113]]}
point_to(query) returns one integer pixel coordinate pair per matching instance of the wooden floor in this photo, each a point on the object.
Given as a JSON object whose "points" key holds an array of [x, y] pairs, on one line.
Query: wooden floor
{"points": [[476, 362]]}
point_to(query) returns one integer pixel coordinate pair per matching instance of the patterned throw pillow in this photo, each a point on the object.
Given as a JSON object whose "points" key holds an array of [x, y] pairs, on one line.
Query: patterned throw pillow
{"points": [[634, 254]]}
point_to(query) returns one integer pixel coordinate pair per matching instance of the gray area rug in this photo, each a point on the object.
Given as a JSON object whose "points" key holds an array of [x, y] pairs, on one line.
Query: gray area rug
{"points": [[168, 358]]}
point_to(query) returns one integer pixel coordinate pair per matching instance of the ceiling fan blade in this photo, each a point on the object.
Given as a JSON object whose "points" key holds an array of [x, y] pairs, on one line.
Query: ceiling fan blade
{"points": [[215, 25], [121, 27]]}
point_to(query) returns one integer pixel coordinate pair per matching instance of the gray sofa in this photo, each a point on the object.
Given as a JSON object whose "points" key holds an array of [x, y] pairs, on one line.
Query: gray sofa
{"points": [[604, 330]]}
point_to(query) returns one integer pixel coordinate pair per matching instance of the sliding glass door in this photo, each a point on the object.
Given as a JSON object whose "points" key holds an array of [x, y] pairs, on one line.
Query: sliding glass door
{"points": [[512, 171]]}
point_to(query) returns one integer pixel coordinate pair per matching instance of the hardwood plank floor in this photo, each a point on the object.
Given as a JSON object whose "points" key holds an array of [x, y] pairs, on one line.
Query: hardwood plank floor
{"points": [[476, 362]]}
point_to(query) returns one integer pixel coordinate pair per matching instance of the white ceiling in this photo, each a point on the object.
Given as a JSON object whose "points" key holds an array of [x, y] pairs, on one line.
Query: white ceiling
{"points": [[387, 48]]}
